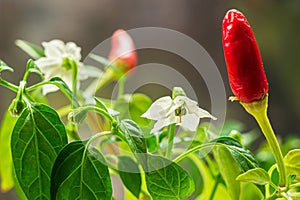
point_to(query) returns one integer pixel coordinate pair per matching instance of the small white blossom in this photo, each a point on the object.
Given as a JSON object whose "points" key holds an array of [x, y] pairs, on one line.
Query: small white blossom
{"points": [[56, 63], [181, 111]]}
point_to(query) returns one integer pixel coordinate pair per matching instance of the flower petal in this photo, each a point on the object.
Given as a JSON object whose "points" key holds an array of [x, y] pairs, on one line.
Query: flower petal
{"points": [[67, 77], [54, 48], [84, 72], [45, 64], [159, 109], [183, 100], [163, 123], [190, 122], [201, 113], [73, 51]]}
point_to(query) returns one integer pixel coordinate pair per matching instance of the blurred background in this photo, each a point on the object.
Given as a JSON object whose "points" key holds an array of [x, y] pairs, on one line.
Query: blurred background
{"points": [[276, 24]]}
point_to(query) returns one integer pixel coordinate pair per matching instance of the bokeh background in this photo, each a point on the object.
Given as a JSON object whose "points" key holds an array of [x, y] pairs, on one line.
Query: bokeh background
{"points": [[276, 24]]}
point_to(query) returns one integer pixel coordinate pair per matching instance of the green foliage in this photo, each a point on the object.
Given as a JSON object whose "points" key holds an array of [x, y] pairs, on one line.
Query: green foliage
{"points": [[166, 180], [6, 168], [132, 107], [37, 138], [257, 175], [100, 104], [5, 67], [292, 164], [80, 172], [58, 82], [37, 160], [31, 49], [33, 68], [130, 175], [191, 167], [243, 156], [135, 140], [229, 170]]}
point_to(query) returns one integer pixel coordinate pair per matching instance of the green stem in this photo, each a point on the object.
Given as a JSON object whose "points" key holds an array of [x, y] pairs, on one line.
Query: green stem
{"points": [[259, 111], [72, 131], [26, 75], [294, 185], [192, 150], [9, 85], [266, 127], [74, 78], [146, 194], [97, 136], [121, 86], [170, 140], [158, 145], [22, 87], [62, 89], [214, 189], [33, 87]]}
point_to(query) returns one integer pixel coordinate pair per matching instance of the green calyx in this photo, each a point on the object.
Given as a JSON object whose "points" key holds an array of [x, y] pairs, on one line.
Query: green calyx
{"points": [[18, 104], [67, 63], [177, 91]]}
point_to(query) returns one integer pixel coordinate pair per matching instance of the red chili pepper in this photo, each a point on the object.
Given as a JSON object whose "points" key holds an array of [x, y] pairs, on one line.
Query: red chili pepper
{"points": [[244, 65], [123, 53]]}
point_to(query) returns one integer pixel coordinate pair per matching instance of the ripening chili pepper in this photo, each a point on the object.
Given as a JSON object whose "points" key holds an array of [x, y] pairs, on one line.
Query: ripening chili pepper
{"points": [[123, 53], [244, 64]]}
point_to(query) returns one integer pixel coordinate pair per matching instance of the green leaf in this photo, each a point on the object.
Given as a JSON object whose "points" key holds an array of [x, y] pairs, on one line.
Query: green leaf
{"points": [[31, 49], [17, 187], [122, 105], [80, 173], [138, 105], [133, 106], [4, 66], [33, 68], [64, 88], [191, 167], [167, 181], [136, 140], [6, 176], [130, 175], [257, 175], [292, 163], [243, 156], [250, 191], [229, 170], [100, 104], [37, 138]]}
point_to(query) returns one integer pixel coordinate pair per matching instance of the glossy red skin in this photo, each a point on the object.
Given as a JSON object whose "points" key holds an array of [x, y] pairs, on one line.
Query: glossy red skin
{"points": [[123, 52], [244, 64]]}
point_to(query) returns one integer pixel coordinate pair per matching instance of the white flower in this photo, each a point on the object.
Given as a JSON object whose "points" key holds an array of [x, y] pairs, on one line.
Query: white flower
{"points": [[182, 111], [57, 63]]}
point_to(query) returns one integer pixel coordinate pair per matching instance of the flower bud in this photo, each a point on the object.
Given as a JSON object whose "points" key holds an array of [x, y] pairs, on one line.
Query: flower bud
{"points": [[244, 64], [77, 116], [16, 107], [177, 91], [123, 54]]}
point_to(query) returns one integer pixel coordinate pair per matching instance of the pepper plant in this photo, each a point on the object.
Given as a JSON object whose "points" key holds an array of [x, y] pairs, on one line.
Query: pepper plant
{"points": [[158, 150]]}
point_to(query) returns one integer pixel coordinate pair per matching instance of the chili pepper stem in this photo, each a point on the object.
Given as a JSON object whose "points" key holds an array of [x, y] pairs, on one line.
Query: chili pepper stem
{"points": [[258, 109]]}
